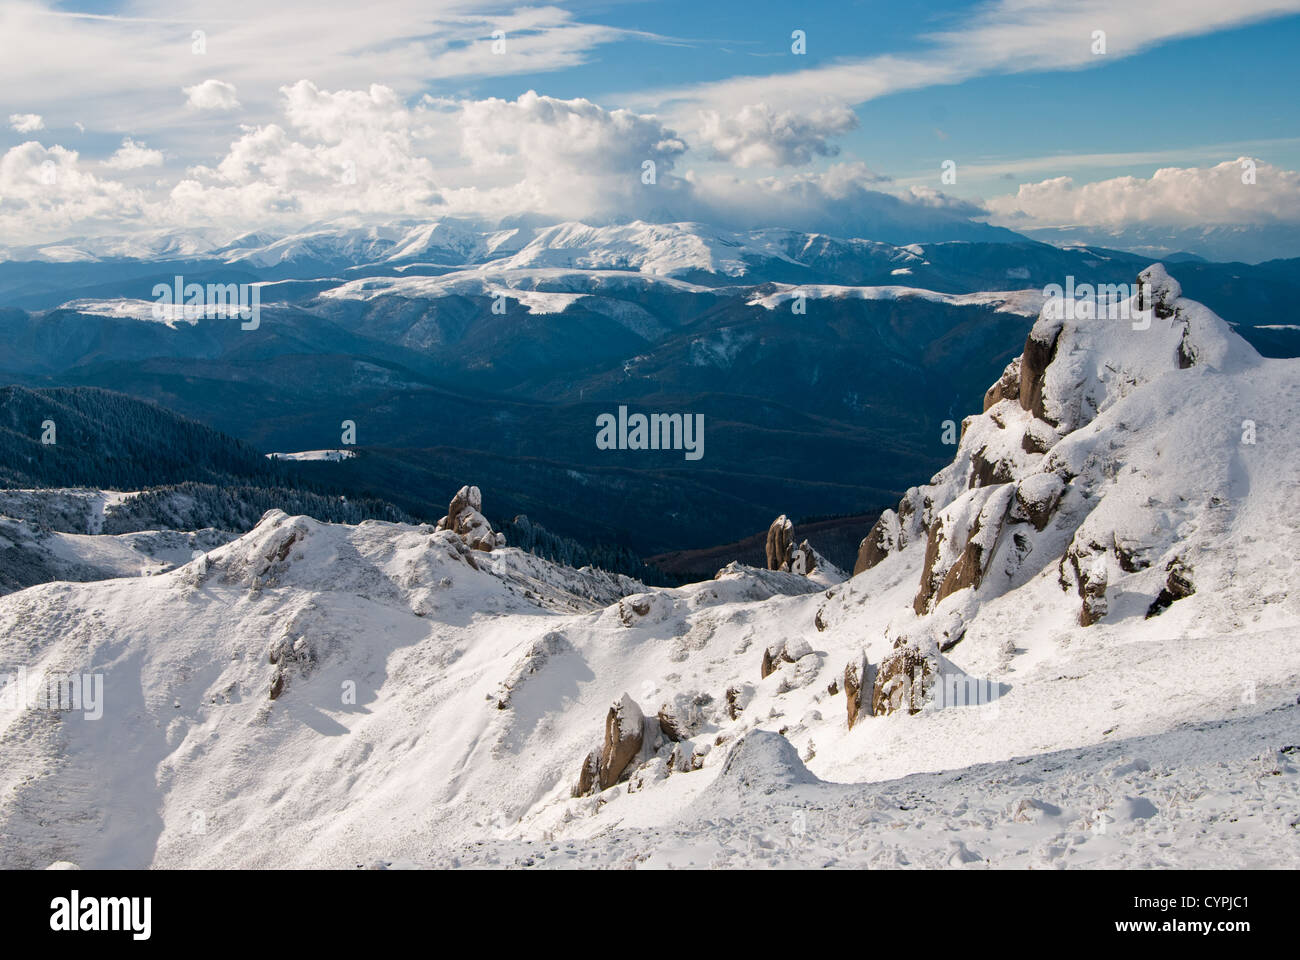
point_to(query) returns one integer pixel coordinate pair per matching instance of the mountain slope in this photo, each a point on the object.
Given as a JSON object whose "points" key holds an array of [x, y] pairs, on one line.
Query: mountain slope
{"points": [[1106, 479]]}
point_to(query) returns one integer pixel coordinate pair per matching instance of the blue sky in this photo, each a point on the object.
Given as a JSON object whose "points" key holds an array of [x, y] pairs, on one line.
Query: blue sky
{"points": [[142, 132], [1230, 90]]}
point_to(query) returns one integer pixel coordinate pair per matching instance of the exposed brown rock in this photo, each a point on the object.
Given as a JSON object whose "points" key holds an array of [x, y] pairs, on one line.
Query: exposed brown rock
{"points": [[971, 564], [921, 602], [879, 542], [1093, 587], [670, 725], [1178, 586], [1006, 388], [277, 685], [1038, 437], [988, 473], [624, 736], [1037, 497], [901, 682], [624, 726], [858, 685], [1039, 352], [804, 559], [774, 655], [780, 543], [589, 776], [465, 520]]}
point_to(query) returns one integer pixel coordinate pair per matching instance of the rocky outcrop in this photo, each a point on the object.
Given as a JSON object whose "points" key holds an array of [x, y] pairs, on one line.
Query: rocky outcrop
{"points": [[1006, 388], [1040, 350], [986, 471], [589, 776], [624, 731], [1093, 581], [782, 651], [1038, 437], [683, 715], [738, 698], [780, 543], [879, 543], [1178, 586], [804, 559], [859, 684], [465, 519], [961, 544], [1037, 497], [624, 736], [902, 681]]}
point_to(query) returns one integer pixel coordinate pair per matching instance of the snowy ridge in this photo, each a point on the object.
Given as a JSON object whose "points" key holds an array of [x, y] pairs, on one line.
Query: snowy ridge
{"points": [[1111, 558]]}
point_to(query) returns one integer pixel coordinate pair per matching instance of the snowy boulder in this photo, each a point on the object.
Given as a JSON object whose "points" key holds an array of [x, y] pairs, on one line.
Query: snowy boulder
{"points": [[738, 698], [641, 609], [682, 715], [1178, 586], [624, 734], [780, 544], [1158, 291], [773, 655], [901, 681], [783, 651], [1093, 581], [465, 519], [589, 776], [625, 727], [1037, 497], [762, 762]]}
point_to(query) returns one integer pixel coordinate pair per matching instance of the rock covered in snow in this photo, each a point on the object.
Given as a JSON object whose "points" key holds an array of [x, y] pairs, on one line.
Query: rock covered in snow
{"points": [[902, 681], [880, 542], [465, 519], [624, 736], [1178, 586], [762, 762]]}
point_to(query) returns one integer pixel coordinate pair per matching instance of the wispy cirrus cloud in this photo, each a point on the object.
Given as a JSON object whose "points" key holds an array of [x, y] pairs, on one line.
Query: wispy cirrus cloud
{"points": [[117, 67], [1001, 37]]}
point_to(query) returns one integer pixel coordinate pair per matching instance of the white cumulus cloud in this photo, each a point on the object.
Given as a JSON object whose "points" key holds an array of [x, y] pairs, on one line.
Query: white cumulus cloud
{"points": [[132, 156], [1238, 191], [26, 122], [757, 135], [211, 95]]}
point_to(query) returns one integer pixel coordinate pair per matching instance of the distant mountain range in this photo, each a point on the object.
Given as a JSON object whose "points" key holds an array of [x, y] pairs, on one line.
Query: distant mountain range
{"points": [[826, 368]]}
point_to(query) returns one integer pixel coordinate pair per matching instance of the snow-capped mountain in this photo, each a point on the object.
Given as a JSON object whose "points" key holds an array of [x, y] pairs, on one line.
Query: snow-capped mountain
{"points": [[1039, 654]]}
